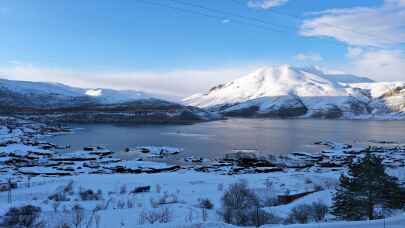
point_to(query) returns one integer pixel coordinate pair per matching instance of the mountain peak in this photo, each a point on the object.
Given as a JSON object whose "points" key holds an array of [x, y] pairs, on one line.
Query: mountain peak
{"points": [[300, 91], [271, 81]]}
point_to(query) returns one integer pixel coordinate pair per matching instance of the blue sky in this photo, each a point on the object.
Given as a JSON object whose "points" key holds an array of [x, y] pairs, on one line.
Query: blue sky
{"points": [[149, 37]]}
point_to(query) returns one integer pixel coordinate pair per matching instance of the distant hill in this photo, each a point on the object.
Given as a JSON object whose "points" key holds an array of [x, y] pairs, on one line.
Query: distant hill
{"points": [[58, 102]]}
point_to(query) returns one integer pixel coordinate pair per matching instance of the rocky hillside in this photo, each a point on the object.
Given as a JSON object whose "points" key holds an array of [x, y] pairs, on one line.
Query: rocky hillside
{"points": [[285, 91], [58, 102]]}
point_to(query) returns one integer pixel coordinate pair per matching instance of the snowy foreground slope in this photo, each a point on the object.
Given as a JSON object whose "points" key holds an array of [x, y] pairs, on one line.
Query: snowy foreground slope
{"points": [[54, 101], [286, 91], [182, 190]]}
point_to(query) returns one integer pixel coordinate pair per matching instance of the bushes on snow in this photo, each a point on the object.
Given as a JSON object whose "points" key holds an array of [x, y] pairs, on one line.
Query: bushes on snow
{"points": [[25, 217], [161, 215], [305, 213], [87, 195], [205, 203], [62, 193], [241, 206]]}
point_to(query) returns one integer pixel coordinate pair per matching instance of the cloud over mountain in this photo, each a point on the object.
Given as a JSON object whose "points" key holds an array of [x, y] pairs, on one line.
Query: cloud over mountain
{"points": [[360, 26]]}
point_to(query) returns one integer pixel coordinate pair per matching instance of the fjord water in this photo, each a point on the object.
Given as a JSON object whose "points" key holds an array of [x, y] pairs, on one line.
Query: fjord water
{"points": [[214, 139]]}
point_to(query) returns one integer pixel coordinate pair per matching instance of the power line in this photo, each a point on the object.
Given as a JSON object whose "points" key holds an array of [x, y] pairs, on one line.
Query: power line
{"points": [[225, 13], [254, 19], [250, 19], [217, 15], [322, 23], [221, 15], [179, 9]]}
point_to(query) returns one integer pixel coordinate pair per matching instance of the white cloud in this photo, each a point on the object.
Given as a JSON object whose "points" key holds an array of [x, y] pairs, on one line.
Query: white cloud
{"points": [[225, 21], [373, 36], [353, 52], [310, 56], [172, 85], [380, 65], [360, 26], [266, 4]]}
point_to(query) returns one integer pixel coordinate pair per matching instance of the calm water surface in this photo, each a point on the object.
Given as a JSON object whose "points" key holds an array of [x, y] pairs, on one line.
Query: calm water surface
{"points": [[213, 139]]}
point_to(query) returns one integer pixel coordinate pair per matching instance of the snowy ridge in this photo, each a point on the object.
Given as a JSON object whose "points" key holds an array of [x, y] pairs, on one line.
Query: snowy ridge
{"points": [[286, 91], [58, 102], [336, 77], [103, 96], [109, 96]]}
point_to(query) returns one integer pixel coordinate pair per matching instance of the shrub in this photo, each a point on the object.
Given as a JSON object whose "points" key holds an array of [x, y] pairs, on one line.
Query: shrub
{"points": [[299, 214], [261, 217], [205, 203], [318, 188], [87, 195], [62, 193], [308, 181], [130, 203], [58, 197], [77, 215], [319, 211], [162, 215], [26, 216], [307, 212], [237, 204], [68, 188], [121, 204]]}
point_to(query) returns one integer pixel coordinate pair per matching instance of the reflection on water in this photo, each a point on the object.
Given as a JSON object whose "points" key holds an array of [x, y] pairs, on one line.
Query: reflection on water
{"points": [[213, 139]]}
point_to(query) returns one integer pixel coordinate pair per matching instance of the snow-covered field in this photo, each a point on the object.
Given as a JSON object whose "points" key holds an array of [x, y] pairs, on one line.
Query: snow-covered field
{"points": [[121, 208], [118, 193]]}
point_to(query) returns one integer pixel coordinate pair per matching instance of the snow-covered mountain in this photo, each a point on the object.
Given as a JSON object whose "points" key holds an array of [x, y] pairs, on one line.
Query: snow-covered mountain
{"points": [[25, 93], [286, 91], [68, 103]]}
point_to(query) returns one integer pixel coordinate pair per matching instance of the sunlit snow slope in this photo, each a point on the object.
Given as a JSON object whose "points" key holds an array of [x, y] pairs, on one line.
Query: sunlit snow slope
{"points": [[286, 91]]}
